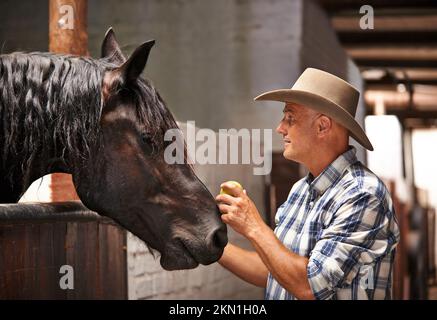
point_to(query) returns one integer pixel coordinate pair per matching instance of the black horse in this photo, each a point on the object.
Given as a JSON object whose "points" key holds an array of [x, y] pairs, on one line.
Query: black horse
{"points": [[98, 120]]}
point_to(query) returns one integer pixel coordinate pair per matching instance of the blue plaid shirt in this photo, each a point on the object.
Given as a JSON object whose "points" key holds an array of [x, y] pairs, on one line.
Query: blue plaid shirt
{"points": [[344, 222]]}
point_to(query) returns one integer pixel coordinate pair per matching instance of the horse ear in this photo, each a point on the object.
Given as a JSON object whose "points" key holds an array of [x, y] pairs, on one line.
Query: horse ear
{"points": [[132, 68], [111, 49]]}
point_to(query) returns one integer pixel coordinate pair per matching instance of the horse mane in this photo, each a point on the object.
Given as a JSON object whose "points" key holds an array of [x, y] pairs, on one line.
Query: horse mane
{"points": [[51, 104]]}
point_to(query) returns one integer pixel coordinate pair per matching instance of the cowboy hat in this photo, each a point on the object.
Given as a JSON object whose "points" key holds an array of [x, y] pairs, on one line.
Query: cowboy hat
{"points": [[327, 94]]}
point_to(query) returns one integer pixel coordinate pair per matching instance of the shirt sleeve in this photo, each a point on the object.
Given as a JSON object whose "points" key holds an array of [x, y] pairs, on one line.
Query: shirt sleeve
{"points": [[362, 230]]}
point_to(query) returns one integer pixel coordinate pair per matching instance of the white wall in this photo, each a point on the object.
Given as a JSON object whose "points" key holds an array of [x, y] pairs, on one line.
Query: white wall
{"points": [[425, 160], [386, 160], [39, 191]]}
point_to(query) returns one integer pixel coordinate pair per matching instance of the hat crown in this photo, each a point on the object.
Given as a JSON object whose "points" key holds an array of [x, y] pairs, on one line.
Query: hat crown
{"points": [[330, 87]]}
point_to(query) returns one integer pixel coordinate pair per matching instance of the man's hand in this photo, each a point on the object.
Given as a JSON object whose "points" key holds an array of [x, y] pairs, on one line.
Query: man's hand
{"points": [[288, 268], [238, 211]]}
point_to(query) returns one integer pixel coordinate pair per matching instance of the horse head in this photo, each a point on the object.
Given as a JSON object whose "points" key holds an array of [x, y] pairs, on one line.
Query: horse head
{"points": [[126, 177], [99, 120]]}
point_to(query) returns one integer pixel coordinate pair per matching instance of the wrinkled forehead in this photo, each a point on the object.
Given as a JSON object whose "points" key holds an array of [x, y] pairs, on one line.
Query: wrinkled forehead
{"points": [[297, 109]]}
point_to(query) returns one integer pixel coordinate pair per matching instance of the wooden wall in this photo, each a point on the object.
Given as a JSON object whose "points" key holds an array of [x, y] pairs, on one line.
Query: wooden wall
{"points": [[37, 239]]}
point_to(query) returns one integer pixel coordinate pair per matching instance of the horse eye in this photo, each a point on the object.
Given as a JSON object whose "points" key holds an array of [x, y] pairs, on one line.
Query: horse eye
{"points": [[145, 138], [147, 143]]}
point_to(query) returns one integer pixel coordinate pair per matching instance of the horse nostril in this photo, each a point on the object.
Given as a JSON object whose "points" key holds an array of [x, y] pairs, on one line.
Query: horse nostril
{"points": [[217, 239]]}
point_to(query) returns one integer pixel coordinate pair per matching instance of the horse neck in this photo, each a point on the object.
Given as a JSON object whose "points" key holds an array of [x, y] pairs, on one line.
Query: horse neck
{"points": [[36, 137]]}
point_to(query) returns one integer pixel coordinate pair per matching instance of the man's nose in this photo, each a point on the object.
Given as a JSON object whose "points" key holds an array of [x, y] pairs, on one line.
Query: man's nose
{"points": [[280, 129]]}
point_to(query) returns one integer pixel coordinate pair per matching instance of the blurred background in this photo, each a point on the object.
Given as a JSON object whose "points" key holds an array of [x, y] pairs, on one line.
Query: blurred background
{"points": [[212, 57]]}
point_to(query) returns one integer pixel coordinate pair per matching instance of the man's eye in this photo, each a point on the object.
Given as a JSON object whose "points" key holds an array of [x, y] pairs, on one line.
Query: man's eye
{"points": [[289, 119]]}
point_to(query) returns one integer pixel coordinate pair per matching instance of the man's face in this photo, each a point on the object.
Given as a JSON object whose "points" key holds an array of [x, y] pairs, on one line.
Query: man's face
{"points": [[298, 130]]}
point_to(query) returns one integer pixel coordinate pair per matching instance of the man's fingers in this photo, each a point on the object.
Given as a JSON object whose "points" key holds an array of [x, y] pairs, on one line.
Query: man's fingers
{"points": [[225, 218], [224, 208], [225, 198]]}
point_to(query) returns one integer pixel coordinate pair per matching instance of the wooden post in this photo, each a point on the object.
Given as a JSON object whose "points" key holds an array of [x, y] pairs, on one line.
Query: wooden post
{"points": [[67, 34], [68, 26]]}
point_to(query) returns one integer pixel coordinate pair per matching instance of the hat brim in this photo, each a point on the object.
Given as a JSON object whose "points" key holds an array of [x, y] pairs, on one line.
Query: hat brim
{"points": [[321, 105]]}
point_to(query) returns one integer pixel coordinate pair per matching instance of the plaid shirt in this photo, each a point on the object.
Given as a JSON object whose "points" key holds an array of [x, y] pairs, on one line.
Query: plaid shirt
{"points": [[344, 222]]}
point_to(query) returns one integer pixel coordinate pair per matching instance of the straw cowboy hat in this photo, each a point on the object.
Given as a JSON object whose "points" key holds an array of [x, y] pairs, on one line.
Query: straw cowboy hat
{"points": [[327, 94]]}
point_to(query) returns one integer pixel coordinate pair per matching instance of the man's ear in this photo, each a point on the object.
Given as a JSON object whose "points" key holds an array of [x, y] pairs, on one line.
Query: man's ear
{"points": [[324, 124], [132, 68], [110, 48]]}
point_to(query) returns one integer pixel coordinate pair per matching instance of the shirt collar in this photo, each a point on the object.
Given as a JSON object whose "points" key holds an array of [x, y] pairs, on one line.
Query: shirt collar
{"points": [[332, 172]]}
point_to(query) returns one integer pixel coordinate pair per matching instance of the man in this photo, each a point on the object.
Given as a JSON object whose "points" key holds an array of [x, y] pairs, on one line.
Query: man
{"points": [[336, 233]]}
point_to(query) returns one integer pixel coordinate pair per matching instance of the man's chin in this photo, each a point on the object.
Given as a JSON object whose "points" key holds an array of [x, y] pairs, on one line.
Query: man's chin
{"points": [[291, 156], [288, 155]]}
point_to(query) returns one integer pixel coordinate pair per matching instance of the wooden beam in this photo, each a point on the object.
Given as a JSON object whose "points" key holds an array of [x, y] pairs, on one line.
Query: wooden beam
{"points": [[401, 22], [334, 6], [420, 73], [426, 81], [383, 38], [376, 63], [413, 113], [412, 52]]}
